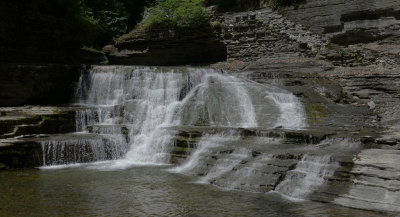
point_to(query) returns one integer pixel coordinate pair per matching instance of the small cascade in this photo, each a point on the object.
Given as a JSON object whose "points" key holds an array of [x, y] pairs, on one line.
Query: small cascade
{"points": [[206, 148], [310, 173], [253, 176], [226, 164], [230, 162], [316, 167], [214, 101], [260, 163], [81, 150], [292, 115]]}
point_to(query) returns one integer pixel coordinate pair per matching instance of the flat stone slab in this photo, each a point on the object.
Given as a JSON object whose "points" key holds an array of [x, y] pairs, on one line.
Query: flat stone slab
{"points": [[376, 181], [32, 110], [383, 158]]}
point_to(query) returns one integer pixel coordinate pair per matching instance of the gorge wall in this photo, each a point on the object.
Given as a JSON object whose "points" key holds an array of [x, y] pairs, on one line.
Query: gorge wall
{"points": [[349, 22]]}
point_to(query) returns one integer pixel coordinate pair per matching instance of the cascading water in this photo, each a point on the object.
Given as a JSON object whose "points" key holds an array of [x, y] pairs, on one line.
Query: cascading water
{"points": [[291, 110], [219, 100], [139, 109], [310, 173], [314, 170], [81, 150], [141, 104]]}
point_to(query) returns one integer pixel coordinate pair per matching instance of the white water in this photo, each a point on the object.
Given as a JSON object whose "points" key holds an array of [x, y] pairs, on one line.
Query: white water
{"points": [[310, 173], [80, 150], [219, 100], [313, 170], [204, 149], [141, 104], [292, 115], [149, 101]]}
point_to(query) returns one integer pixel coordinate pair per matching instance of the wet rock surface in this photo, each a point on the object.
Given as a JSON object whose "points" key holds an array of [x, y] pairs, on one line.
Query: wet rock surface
{"points": [[349, 83], [374, 170], [22, 126]]}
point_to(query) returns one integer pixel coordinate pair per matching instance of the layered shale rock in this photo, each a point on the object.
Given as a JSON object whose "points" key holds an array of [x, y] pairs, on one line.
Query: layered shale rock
{"points": [[376, 181], [262, 33], [349, 22], [21, 127], [167, 47]]}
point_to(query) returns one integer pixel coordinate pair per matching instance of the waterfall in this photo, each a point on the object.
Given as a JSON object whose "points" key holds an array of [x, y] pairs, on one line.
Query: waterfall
{"points": [[141, 106], [142, 103], [81, 150]]}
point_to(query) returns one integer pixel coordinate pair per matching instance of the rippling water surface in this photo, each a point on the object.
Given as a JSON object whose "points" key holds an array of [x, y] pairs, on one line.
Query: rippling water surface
{"points": [[139, 191]]}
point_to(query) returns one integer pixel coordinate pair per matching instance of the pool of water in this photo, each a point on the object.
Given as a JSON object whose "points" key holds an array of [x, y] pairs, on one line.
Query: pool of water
{"points": [[140, 191]]}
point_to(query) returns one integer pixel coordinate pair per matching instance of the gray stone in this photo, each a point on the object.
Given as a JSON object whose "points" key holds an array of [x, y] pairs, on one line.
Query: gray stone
{"points": [[371, 105]]}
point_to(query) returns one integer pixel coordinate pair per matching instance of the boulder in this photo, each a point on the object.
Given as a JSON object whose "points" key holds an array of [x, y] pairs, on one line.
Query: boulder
{"points": [[167, 47]]}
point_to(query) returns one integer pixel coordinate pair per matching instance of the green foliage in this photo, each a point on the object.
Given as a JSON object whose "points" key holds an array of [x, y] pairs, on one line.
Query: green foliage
{"points": [[52, 30], [175, 13], [109, 16], [112, 18]]}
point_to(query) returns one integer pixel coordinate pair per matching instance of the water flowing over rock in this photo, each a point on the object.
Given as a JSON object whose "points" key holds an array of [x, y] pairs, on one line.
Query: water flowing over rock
{"points": [[309, 174], [144, 104], [81, 150], [225, 129], [237, 131]]}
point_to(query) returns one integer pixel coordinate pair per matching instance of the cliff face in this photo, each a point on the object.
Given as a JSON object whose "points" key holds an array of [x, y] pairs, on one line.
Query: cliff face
{"points": [[168, 47], [349, 22]]}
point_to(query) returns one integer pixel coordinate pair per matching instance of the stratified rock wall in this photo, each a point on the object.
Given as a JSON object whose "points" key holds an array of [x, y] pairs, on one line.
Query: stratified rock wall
{"points": [[349, 22], [252, 35], [168, 47]]}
